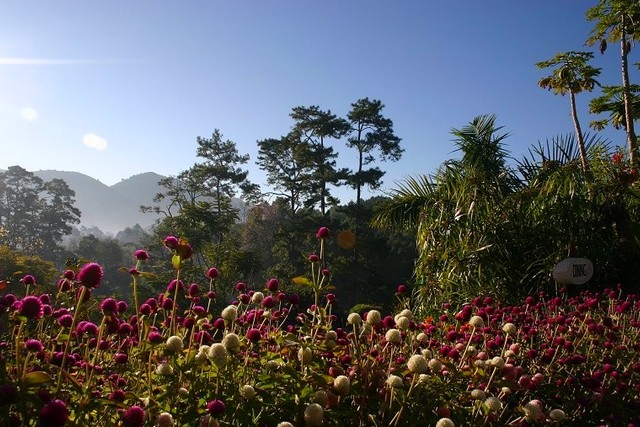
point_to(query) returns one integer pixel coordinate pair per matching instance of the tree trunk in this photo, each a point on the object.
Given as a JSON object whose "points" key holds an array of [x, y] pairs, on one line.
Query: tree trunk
{"points": [[628, 111], [579, 137]]}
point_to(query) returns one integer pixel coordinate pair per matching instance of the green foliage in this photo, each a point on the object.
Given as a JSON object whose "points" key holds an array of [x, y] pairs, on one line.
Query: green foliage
{"points": [[14, 265]]}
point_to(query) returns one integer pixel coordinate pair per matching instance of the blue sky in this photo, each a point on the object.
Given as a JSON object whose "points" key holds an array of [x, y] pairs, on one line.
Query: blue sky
{"points": [[112, 89]]}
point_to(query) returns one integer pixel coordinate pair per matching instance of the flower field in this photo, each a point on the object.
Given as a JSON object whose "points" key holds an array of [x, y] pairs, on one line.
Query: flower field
{"points": [[266, 360]]}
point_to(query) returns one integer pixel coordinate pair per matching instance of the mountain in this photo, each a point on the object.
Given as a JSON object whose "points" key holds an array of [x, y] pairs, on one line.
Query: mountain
{"points": [[110, 208]]}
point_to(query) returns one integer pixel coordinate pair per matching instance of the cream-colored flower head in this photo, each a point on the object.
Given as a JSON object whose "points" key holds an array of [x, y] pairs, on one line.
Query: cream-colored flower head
{"points": [[164, 369], [435, 365], [342, 384], [509, 328], [314, 414], [403, 323], [476, 322], [394, 381], [493, 403], [320, 397], [428, 354], [373, 317], [404, 313], [231, 342], [248, 392], [479, 364], [331, 335], [285, 424], [422, 339], [557, 415], [271, 365], [445, 422], [305, 355], [218, 354], [417, 364], [230, 313], [533, 410], [354, 319], [478, 394], [497, 362], [393, 336], [257, 297], [174, 343], [165, 419]]}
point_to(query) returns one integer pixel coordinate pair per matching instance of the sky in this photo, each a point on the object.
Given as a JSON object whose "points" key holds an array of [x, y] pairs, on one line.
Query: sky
{"points": [[113, 89]]}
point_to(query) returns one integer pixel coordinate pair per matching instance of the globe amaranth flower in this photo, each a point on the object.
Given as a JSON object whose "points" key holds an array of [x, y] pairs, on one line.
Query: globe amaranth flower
{"points": [[215, 407], [170, 242], [212, 273], [323, 233], [314, 414], [141, 255], [164, 419], [91, 275], [254, 335], [31, 307], [248, 392], [108, 306], [373, 317], [33, 345], [342, 384], [175, 344], [133, 417], [54, 414], [418, 364], [28, 280], [273, 284], [445, 422]]}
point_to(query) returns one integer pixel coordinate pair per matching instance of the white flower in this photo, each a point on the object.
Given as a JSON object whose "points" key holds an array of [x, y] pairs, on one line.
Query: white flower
{"points": [[209, 421], [557, 415], [354, 319], [394, 381], [493, 403], [497, 361], [403, 322], [373, 317], [218, 354], [248, 392], [478, 394], [231, 342], [509, 354], [271, 365], [183, 392], [314, 414], [164, 369], [422, 338], [285, 424], [341, 385], [230, 313], [435, 365], [174, 344], [331, 335], [423, 378], [257, 297], [445, 422], [417, 364], [321, 398], [509, 328], [476, 322], [404, 313], [533, 410], [427, 353], [304, 355], [165, 419], [479, 364], [393, 336], [505, 390]]}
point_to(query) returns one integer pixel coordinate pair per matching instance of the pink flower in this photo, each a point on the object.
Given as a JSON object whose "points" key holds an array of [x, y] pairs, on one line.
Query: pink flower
{"points": [[108, 305], [141, 255], [171, 242], [91, 275], [215, 407], [273, 284], [323, 233], [212, 273], [28, 280], [133, 417], [31, 307], [54, 414], [253, 335]]}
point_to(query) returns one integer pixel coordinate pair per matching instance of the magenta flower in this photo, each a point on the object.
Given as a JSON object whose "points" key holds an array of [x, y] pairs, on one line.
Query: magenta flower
{"points": [[141, 255], [323, 233], [133, 417], [212, 273], [28, 280], [402, 288], [69, 274], [54, 414], [253, 335], [90, 275], [31, 307], [33, 345], [108, 306], [171, 242], [273, 284], [215, 407]]}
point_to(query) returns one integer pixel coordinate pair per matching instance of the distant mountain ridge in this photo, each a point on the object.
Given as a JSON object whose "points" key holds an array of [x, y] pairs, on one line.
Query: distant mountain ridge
{"points": [[110, 208]]}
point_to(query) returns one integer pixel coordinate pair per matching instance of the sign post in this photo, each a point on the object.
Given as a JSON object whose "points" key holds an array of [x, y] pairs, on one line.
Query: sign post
{"points": [[573, 271]]}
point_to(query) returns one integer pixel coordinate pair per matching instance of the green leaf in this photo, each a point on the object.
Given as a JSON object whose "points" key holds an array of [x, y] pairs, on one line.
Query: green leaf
{"points": [[35, 378], [176, 260], [301, 280]]}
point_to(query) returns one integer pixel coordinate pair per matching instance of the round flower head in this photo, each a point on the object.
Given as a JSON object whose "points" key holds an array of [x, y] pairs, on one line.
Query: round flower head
{"points": [[498, 362], [417, 364], [257, 297], [33, 345], [141, 255], [231, 342], [323, 233], [435, 365], [445, 422], [90, 275], [212, 273], [133, 417], [493, 403], [174, 344], [393, 336], [215, 407], [230, 313], [28, 280], [305, 355], [248, 392], [394, 381], [164, 369], [285, 424], [342, 384], [402, 288], [373, 317], [171, 242], [478, 394], [557, 415], [109, 305], [54, 414], [354, 319], [254, 335], [533, 410], [509, 328], [476, 322], [403, 323], [31, 307], [314, 414], [165, 419], [273, 284]]}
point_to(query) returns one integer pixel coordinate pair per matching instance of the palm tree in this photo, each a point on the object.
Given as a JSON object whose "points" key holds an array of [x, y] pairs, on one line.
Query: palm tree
{"points": [[572, 76], [616, 21]]}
